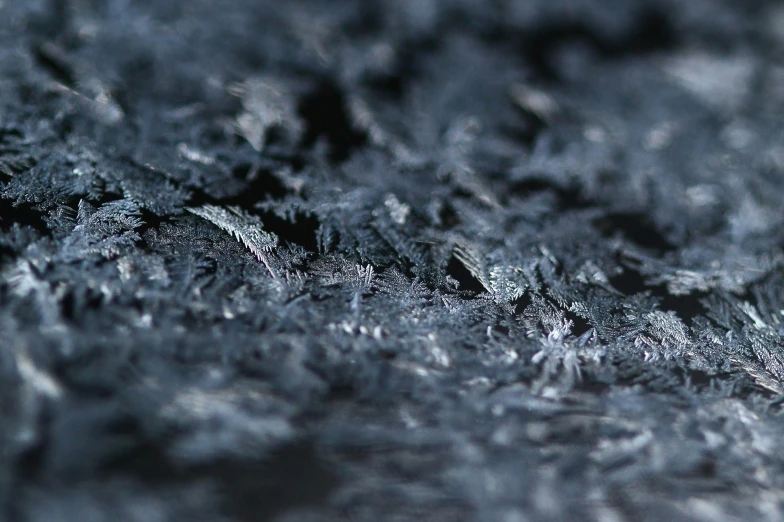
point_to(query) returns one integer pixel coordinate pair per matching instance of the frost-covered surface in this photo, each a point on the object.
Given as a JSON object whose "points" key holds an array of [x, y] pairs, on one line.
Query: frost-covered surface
{"points": [[391, 260]]}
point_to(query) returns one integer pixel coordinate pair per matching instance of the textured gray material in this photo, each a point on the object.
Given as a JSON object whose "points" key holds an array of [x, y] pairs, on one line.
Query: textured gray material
{"points": [[391, 260]]}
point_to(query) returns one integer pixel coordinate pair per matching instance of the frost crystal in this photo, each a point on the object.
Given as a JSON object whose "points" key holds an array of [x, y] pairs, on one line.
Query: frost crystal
{"points": [[391, 260]]}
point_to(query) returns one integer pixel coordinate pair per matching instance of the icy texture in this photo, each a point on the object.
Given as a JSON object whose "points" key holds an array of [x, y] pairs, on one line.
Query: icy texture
{"points": [[391, 260]]}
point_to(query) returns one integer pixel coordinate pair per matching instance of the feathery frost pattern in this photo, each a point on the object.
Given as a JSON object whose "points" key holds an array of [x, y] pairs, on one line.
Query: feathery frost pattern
{"points": [[244, 228], [391, 260]]}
